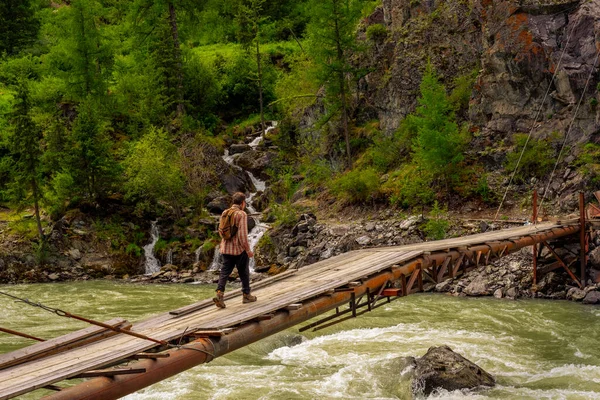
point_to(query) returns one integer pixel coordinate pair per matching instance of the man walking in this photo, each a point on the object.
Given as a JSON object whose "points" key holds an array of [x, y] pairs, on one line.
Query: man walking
{"points": [[235, 251]]}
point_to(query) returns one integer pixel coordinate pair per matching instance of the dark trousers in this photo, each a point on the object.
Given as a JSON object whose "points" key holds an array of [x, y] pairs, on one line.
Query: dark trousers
{"points": [[240, 262]]}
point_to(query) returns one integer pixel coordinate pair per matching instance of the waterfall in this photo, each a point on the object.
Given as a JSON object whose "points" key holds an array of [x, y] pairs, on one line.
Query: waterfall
{"points": [[257, 140], [170, 256], [260, 228], [152, 263]]}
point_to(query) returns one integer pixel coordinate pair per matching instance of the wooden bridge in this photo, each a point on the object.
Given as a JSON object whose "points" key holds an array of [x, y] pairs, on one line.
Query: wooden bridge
{"points": [[178, 340]]}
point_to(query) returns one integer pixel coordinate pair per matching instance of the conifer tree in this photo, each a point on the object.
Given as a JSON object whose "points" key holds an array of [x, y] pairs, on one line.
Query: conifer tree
{"points": [[249, 19], [25, 144], [439, 142], [18, 25], [90, 162], [332, 42]]}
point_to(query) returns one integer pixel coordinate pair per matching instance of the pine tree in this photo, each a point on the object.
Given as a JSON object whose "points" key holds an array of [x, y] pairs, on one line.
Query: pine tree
{"points": [[439, 142], [332, 43], [18, 24], [249, 20], [25, 139]]}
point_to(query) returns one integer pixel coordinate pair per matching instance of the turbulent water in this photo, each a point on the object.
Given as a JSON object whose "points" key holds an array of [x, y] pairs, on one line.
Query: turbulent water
{"points": [[535, 349]]}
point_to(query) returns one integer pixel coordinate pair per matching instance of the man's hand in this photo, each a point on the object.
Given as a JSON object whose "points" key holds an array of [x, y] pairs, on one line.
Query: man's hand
{"points": [[250, 254]]}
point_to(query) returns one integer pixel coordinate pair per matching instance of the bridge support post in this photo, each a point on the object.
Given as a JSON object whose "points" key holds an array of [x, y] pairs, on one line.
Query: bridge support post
{"points": [[534, 221], [582, 241]]}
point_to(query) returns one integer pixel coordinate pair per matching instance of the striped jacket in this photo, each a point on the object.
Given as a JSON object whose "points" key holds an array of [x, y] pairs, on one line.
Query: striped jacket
{"points": [[239, 243]]}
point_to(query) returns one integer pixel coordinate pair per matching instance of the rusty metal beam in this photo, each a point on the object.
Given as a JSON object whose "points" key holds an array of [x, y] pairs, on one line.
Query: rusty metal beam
{"points": [[582, 244], [562, 263]]}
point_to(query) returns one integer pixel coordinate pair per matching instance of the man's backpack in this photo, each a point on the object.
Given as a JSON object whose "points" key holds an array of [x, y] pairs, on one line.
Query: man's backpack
{"points": [[227, 227]]}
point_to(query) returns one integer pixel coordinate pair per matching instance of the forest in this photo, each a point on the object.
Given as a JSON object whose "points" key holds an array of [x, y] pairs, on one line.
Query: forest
{"points": [[131, 102]]}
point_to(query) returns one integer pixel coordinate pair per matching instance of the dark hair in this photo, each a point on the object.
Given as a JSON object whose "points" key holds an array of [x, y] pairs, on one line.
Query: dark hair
{"points": [[238, 198]]}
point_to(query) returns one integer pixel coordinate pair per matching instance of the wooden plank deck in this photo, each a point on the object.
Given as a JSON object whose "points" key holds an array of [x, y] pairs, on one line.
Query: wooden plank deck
{"points": [[306, 283]]}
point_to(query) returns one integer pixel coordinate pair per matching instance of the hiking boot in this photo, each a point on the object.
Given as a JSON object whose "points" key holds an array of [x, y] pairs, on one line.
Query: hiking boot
{"points": [[219, 302], [248, 298]]}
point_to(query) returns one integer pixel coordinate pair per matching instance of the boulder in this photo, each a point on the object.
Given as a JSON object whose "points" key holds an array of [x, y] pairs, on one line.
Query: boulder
{"points": [[445, 369], [236, 180], [239, 148], [251, 223], [218, 205], [363, 240], [594, 258], [444, 286], [255, 161], [576, 294], [478, 287], [592, 297]]}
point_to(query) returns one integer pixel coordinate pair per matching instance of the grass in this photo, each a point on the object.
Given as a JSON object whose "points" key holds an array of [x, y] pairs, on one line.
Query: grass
{"points": [[209, 53]]}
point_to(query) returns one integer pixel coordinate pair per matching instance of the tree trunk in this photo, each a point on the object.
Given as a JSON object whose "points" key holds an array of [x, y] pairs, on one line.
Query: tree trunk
{"points": [[260, 87], [178, 62], [37, 209], [342, 82]]}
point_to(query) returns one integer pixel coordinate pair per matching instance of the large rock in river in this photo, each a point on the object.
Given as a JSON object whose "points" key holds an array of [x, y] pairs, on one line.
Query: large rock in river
{"points": [[443, 368]]}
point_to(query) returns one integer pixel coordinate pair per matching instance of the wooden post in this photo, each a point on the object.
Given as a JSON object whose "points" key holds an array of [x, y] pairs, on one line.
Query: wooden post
{"points": [[582, 254], [534, 221]]}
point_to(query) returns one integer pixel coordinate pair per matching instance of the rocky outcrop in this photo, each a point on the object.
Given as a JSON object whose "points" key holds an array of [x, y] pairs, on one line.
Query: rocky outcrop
{"points": [[516, 47], [441, 368], [256, 162]]}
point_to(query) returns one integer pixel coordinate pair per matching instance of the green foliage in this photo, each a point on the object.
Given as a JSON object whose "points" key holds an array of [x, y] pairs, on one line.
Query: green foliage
{"points": [[284, 214], [410, 186], [537, 160], [317, 173], [19, 25], [357, 186], [463, 87], [377, 33], [151, 171], [588, 161], [89, 161], [439, 142], [437, 225]]}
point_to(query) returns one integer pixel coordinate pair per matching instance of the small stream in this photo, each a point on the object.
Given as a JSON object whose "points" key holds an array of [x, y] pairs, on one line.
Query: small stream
{"points": [[260, 228]]}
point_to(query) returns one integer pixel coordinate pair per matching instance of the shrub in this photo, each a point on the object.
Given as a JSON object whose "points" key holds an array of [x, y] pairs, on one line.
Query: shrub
{"points": [[537, 159], [284, 214], [152, 172], [588, 161], [377, 33], [358, 185], [410, 186], [437, 225]]}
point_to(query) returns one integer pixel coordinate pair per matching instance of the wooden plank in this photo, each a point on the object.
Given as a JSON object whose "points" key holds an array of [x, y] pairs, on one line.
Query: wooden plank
{"points": [[61, 343], [209, 302], [294, 307]]}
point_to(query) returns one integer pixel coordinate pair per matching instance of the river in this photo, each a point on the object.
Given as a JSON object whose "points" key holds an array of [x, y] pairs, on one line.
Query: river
{"points": [[536, 349]]}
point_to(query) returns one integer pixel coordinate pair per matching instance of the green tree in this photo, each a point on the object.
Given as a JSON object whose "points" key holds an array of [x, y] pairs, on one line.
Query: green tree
{"points": [[18, 24], [249, 19], [332, 35], [90, 162], [152, 173], [90, 55], [25, 144], [439, 142]]}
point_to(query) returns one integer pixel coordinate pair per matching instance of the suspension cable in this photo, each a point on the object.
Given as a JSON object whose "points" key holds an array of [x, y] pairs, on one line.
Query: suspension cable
{"points": [[533, 126], [587, 83], [62, 313]]}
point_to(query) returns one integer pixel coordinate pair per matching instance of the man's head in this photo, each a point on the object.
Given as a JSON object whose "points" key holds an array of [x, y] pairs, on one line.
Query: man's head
{"points": [[239, 198]]}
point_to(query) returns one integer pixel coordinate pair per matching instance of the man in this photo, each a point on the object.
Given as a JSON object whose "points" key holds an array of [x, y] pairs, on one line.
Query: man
{"points": [[236, 252]]}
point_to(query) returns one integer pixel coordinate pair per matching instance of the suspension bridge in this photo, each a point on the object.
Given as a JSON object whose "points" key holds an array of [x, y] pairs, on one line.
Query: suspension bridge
{"points": [[117, 358]]}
